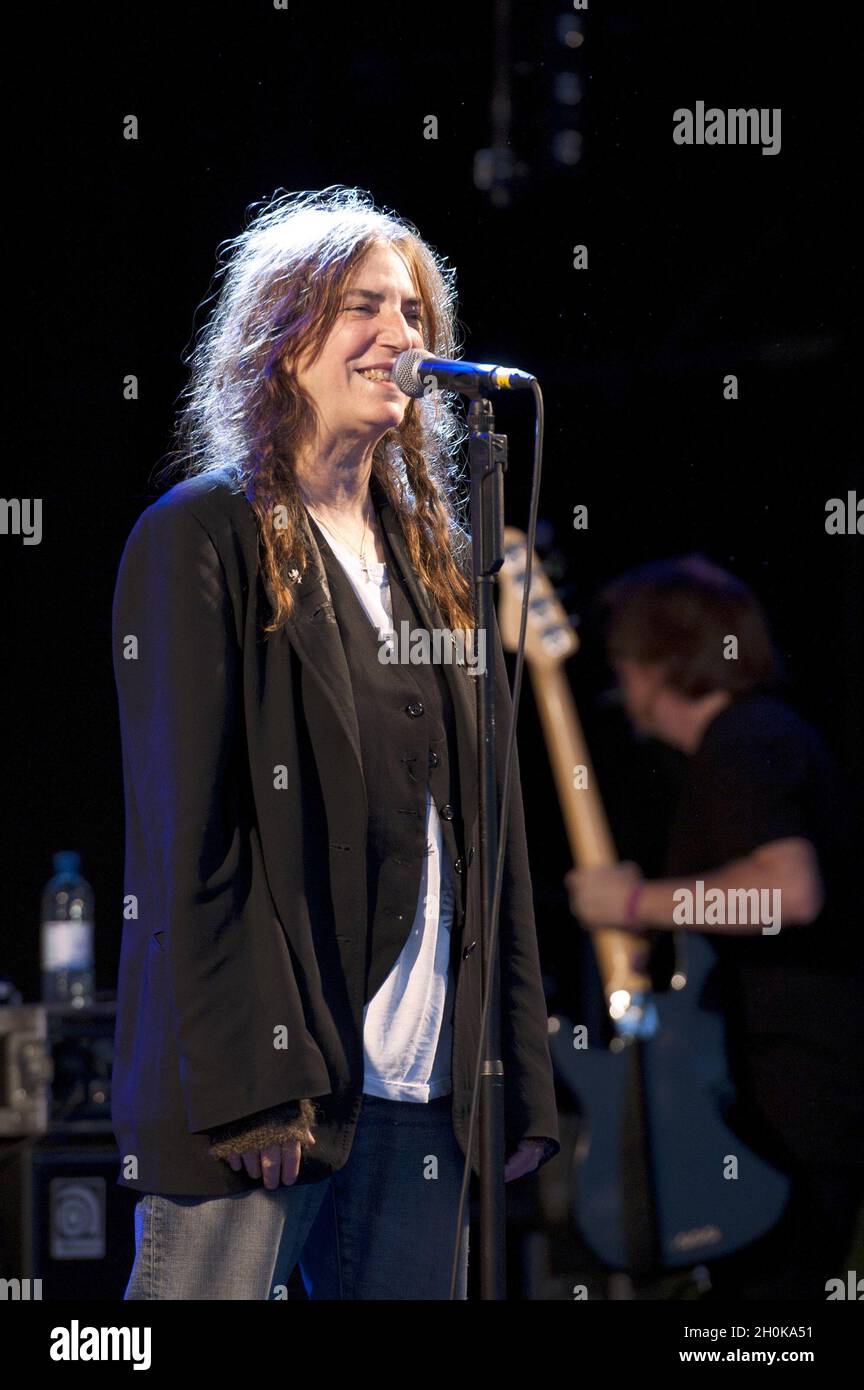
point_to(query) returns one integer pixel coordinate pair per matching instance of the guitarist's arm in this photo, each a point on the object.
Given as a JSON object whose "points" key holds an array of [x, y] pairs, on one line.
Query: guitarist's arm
{"points": [[788, 869]]}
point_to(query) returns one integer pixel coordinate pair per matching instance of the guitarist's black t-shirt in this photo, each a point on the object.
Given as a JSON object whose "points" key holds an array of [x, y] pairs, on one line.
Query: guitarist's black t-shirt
{"points": [[794, 1001]]}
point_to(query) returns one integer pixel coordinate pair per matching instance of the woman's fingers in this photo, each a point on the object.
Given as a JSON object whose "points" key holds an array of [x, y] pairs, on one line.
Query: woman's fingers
{"points": [[252, 1163], [290, 1162], [277, 1163], [271, 1164]]}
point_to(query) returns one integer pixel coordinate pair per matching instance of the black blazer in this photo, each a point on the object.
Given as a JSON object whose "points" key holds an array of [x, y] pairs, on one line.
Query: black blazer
{"points": [[241, 982]]}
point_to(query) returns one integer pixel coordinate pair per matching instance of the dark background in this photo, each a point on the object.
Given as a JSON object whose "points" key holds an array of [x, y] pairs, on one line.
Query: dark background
{"points": [[703, 261]]}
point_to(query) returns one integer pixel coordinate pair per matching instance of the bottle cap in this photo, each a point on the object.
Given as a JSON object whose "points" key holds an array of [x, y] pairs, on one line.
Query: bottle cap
{"points": [[66, 861]]}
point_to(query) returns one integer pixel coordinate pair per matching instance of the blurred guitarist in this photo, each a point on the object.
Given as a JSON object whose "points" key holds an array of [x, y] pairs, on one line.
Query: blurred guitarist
{"points": [[762, 806]]}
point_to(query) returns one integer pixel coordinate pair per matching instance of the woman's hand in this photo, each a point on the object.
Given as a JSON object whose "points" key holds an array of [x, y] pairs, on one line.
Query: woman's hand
{"points": [[600, 897], [268, 1144], [277, 1163]]}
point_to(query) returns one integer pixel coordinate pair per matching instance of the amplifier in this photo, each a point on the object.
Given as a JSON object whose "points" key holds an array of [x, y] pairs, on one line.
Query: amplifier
{"points": [[66, 1228], [55, 1069]]}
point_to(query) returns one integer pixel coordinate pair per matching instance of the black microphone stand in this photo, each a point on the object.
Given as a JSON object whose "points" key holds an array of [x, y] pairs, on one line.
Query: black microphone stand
{"points": [[488, 462]]}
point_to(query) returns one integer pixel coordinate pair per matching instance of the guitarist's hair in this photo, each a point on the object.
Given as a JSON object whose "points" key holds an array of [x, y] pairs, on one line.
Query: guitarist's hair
{"points": [[679, 614]]}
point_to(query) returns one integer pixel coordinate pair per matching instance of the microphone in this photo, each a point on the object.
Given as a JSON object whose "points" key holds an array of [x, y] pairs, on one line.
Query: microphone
{"points": [[412, 371]]}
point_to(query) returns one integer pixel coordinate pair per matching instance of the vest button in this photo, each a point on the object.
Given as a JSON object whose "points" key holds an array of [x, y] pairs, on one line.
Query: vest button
{"points": [[459, 865], [446, 812], [468, 949], [415, 709], [434, 760], [470, 853]]}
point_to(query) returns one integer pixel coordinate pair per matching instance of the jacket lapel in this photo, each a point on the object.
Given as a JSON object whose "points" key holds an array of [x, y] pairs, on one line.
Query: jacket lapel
{"points": [[314, 633]]}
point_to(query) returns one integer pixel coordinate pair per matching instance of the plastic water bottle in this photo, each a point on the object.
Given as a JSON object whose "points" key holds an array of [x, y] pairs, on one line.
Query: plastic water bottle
{"points": [[67, 934]]}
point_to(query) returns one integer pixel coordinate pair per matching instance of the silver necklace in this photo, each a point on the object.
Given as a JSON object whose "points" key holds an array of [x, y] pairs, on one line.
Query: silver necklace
{"points": [[361, 553]]}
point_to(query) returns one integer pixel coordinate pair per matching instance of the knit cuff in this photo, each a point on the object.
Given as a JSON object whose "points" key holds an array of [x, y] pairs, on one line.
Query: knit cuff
{"points": [[281, 1124]]}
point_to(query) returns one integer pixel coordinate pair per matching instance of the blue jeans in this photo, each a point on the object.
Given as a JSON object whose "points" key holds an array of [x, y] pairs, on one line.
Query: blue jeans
{"points": [[379, 1228]]}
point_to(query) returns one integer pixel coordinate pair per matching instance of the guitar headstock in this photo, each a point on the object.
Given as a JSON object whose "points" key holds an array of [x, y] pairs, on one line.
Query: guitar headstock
{"points": [[549, 635]]}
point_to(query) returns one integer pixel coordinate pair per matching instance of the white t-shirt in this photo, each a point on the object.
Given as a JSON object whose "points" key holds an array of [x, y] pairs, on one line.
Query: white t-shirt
{"points": [[408, 1025]]}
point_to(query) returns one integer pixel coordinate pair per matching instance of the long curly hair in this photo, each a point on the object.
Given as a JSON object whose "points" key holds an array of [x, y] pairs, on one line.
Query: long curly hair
{"points": [[283, 279]]}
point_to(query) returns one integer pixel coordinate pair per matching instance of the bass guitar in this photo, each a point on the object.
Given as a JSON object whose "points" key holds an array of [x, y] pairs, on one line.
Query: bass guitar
{"points": [[660, 1181]]}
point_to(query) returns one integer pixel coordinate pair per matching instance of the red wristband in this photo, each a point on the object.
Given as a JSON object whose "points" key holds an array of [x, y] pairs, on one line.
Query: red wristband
{"points": [[632, 901]]}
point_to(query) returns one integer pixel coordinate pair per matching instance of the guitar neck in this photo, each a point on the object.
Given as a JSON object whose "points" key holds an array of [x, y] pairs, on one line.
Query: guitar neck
{"points": [[588, 832]]}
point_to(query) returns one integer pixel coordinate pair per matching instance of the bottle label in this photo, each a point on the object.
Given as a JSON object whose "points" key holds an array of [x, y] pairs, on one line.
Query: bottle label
{"points": [[67, 945]]}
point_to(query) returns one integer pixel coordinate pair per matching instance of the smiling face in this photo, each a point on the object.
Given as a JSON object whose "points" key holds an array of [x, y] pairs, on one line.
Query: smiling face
{"points": [[380, 316]]}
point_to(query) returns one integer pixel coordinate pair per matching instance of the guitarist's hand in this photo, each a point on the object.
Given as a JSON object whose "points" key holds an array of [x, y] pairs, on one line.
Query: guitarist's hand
{"points": [[600, 897]]}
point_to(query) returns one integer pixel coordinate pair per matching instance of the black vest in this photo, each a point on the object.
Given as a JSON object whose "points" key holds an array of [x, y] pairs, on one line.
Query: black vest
{"points": [[408, 744]]}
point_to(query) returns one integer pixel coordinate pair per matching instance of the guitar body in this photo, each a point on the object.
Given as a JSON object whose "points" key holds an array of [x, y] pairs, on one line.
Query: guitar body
{"points": [[698, 1203]]}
